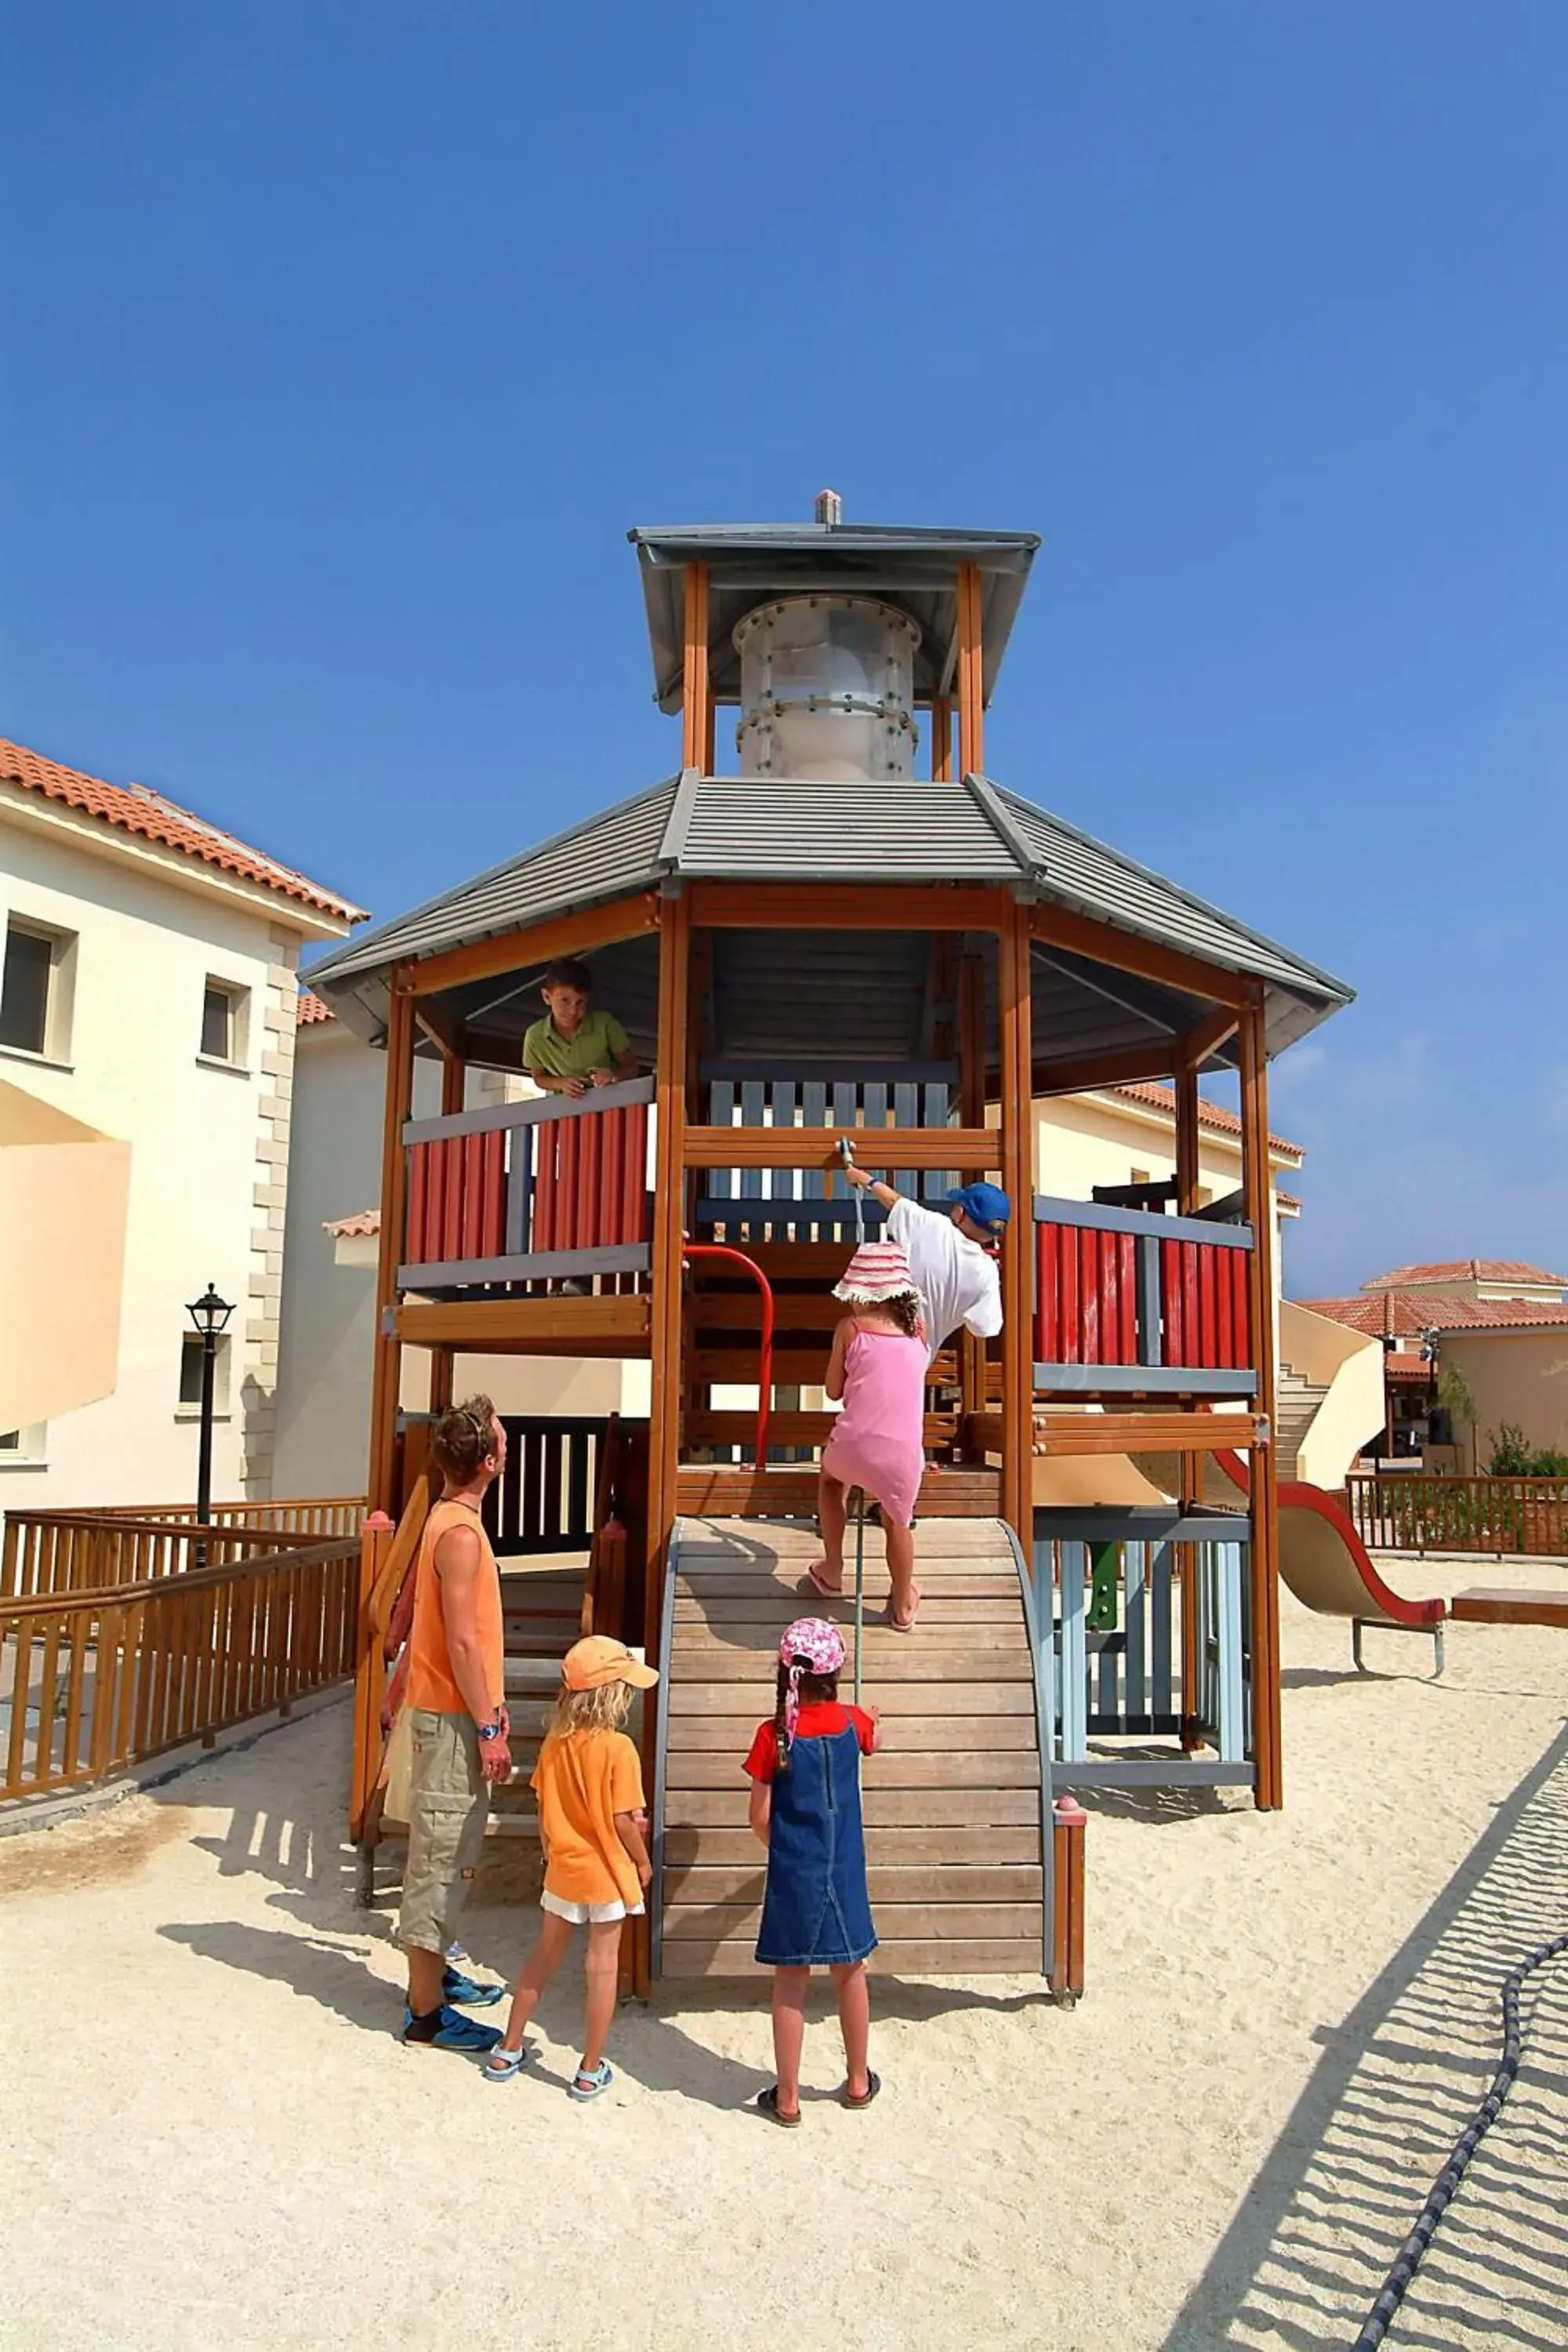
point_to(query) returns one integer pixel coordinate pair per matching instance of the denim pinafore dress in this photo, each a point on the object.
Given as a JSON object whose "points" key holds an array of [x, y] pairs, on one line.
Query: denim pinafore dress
{"points": [[817, 1912]]}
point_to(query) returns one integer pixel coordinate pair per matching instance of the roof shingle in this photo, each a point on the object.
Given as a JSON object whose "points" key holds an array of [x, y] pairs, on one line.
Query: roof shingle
{"points": [[136, 808], [1469, 1269]]}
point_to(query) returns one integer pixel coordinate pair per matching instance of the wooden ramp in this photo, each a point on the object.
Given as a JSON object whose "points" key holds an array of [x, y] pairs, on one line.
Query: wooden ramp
{"points": [[954, 1802]]}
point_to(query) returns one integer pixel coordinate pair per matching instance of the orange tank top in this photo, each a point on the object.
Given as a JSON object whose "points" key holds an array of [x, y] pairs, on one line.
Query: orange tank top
{"points": [[430, 1679]]}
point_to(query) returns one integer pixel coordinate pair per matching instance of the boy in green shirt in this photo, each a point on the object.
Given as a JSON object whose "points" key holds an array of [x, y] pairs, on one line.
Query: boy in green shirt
{"points": [[573, 1049]]}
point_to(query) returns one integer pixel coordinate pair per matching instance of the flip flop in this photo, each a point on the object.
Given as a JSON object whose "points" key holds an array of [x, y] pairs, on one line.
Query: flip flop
{"points": [[906, 1624], [873, 2084], [768, 2105], [818, 1584]]}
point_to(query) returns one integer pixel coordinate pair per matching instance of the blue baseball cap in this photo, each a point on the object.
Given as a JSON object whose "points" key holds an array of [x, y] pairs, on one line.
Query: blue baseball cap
{"points": [[985, 1206]]}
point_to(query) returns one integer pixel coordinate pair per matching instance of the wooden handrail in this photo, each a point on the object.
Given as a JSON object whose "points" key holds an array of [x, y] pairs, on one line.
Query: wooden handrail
{"points": [[400, 1559], [99, 1679], [14, 1606]]}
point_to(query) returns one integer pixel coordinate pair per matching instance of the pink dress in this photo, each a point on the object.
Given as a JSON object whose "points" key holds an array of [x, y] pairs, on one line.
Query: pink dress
{"points": [[878, 1440]]}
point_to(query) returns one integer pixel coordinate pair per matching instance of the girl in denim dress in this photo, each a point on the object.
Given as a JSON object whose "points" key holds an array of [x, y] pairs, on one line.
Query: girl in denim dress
{"points": [[804, 1768]]}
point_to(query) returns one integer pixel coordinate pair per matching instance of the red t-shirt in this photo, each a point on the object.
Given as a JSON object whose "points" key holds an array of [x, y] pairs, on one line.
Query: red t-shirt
{"points": [[818, 1719]]}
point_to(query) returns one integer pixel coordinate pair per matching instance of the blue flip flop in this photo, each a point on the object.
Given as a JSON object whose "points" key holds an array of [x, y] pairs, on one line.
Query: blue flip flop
{"points": [[588, 2081], [467, 1992]]}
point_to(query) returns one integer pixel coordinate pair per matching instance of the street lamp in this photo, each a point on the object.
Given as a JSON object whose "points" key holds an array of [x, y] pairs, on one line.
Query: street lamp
{"points": [[209, 1314]]}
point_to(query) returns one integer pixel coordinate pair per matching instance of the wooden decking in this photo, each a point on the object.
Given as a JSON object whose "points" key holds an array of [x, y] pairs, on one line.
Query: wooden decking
{"points": [[953, 1803]]}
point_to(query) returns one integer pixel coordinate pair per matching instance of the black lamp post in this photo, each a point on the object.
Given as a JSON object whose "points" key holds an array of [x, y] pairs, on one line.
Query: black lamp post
{"points": [[209, 1314]]}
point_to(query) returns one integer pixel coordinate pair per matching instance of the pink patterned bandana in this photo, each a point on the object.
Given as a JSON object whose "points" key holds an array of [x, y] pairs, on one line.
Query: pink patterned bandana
{"points": [[811, 1645]]}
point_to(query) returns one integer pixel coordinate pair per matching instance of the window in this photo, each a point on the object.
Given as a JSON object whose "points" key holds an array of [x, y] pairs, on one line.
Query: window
{"points": [[191, 1374], [23, 1449], [223, 1022], [1140, 1176], [35, 990]]}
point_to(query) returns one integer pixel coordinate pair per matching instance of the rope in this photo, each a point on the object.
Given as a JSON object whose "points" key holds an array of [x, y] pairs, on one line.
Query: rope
{"points": [[847, 1154], [1408, 2259]]}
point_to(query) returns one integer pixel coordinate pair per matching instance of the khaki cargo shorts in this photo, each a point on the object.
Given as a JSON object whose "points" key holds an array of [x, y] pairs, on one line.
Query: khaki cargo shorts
{"points": [[447, 1805]]}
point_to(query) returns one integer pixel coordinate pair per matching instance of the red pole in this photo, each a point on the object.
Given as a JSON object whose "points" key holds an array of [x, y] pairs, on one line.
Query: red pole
{"points": [[765, 1353]]}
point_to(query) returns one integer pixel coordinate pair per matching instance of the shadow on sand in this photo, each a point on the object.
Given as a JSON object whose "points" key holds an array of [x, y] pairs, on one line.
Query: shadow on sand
{"points": [[1397, 2082]]}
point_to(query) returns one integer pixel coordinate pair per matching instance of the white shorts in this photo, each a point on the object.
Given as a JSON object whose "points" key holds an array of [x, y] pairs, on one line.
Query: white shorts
{"points": [[582, 1914]]}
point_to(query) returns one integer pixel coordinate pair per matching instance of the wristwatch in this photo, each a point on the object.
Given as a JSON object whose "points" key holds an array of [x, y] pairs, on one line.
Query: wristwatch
{"points": [[491, 1730]]}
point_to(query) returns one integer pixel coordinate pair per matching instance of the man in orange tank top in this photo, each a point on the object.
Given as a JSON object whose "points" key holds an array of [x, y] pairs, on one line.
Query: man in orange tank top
{"points": [[458, 1726]]}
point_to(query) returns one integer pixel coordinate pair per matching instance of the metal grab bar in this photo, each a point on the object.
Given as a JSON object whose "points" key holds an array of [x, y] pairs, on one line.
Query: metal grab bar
{"points": [[691, 1249]]}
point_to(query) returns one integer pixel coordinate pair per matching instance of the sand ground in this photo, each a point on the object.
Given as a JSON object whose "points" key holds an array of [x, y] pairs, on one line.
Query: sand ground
{"points": [[208, 2136]]}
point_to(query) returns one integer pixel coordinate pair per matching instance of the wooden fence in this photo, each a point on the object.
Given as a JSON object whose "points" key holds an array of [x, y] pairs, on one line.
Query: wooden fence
{"points": [[83, 1551], [93, 1682], [1131, 1302], [1417, 1513]]}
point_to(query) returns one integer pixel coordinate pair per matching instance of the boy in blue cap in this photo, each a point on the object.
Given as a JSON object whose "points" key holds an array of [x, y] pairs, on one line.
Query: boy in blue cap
{"points": [[952, 1257]]}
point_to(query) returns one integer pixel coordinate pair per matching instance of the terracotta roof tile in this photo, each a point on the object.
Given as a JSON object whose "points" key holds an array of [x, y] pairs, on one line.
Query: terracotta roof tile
{"points": [[1495, 1314], [312, 1009], [1212, 1115], [135, 808], [1399, 1366], [1392, 1315], [1469, 1269], [360, 1226]]}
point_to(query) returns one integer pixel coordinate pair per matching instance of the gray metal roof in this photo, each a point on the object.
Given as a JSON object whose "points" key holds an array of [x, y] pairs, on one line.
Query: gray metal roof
{"points": [[753, 563], [768, 829], [780, 829]]}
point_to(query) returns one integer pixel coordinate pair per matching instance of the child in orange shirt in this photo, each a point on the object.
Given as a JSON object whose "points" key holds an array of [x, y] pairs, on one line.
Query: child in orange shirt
{"points": [[588, 1781]]}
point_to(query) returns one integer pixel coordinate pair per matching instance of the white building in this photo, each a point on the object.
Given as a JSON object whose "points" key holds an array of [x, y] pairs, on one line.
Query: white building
{"points": [[148, 998]]}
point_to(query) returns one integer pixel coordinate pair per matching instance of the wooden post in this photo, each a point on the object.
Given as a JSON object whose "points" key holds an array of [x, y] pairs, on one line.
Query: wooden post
{"points": [[376, 1541], [394, 1188], [665, 1416], [941, 739], [1017, 1254], [1264, 1482], [1190, 1466], [696, 693], [972, 1111], [971, 673]]}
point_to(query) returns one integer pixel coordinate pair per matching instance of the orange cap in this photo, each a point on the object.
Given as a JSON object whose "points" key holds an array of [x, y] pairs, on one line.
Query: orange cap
{"points": [[597, 1660]]}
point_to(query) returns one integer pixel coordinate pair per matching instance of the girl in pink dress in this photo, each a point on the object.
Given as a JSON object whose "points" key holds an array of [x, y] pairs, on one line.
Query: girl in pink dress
{"points": [[879, 1368]]}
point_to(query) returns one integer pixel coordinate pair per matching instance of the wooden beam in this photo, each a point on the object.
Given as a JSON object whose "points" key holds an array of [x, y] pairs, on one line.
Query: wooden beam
{"points": [[976, 1148], [1018, 1250], [849, 907], [696, 695], [789, 1491], [1127, 952], [1265, 1498], [971, 1110], [528, 1327], [1145, 1432], [941, 739], [1220, 1026], [664, 1436], [971, 675], [591, 927], [1130, 1066], [387, 1358]]}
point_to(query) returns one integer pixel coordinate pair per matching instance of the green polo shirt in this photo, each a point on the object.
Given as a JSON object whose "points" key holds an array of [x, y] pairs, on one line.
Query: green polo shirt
{"points": [[598, 1045]]}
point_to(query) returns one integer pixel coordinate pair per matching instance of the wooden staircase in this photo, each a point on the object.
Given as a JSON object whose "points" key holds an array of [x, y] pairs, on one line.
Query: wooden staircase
{"points": [[953, 1802]]}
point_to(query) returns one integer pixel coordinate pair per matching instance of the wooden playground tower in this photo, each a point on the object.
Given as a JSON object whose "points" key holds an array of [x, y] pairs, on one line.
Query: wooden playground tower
{"points": [[830, 944]]}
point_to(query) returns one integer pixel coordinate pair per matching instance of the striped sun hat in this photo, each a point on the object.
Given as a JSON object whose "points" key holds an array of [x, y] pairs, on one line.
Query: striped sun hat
{"points": [[877, 1271]]}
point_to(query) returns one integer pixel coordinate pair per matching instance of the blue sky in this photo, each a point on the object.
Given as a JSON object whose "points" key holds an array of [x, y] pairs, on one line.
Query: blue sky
{"points": [[345, 341]]}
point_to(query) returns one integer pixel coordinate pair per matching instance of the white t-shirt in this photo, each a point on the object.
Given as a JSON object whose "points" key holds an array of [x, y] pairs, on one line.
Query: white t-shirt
{"points": [[954, 1275]]}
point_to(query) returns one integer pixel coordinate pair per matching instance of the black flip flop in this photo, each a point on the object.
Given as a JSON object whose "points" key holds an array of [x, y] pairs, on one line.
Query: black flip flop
{"points": [[873, 2084], [768, 2105]]}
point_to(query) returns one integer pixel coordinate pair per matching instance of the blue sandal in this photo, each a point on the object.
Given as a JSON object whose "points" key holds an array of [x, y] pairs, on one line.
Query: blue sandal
{"points": [[588, 2081], [503, 2065]]}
